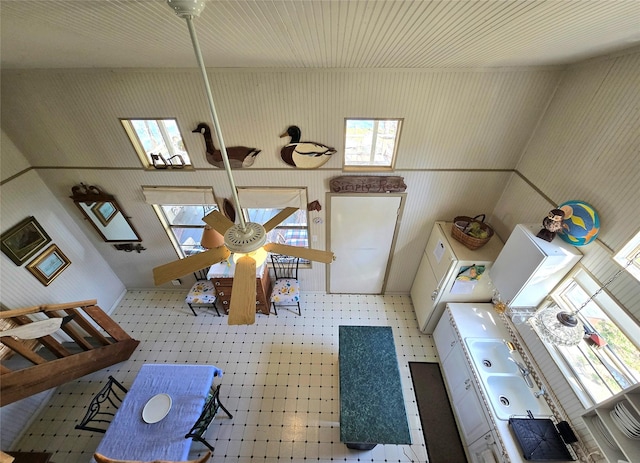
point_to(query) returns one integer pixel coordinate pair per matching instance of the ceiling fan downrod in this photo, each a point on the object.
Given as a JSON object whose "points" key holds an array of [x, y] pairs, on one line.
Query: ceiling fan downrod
{"points": [[244, 237]]}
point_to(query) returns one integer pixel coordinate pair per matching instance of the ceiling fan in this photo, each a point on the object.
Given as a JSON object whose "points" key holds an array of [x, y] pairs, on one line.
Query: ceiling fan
{"points": [[247, 240]]}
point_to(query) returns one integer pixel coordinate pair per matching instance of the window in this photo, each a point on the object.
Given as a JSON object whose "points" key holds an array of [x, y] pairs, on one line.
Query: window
{"points": [[597, 369], [631, 252], [371, 144], [180, 211], [260, 205], [158, 142]]}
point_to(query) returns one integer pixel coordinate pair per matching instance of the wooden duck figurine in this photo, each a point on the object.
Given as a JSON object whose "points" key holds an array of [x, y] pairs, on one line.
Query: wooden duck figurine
{"points": [[239, 156], [305, 154]]}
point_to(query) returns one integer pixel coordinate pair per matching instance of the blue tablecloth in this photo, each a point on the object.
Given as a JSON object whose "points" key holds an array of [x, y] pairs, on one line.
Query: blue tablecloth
{"points": [[130, 438]]}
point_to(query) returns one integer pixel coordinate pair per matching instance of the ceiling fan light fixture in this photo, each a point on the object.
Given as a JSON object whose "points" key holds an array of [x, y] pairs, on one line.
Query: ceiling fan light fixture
{"points": [[259, 255]]}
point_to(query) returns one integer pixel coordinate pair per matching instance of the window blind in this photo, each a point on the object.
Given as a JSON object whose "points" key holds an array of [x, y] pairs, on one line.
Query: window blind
{"points": [[178, 195]]}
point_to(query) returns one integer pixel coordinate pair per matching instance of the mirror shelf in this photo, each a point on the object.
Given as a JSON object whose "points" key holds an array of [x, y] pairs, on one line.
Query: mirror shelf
{"points": [[104, 213]]}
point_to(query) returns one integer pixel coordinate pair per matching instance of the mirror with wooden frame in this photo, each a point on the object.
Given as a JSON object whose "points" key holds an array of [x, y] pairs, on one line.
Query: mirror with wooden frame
{"points": [[104, 213]]}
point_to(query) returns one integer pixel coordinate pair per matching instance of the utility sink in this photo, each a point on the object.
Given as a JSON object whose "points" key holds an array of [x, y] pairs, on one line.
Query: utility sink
{"points": [[501, 379], [491, 356], [510, 395]]}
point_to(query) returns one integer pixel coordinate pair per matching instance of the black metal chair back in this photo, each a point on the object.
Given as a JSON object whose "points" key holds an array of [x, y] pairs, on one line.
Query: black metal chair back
{"points": [[285, 266], [209, 412], [103, 407]]}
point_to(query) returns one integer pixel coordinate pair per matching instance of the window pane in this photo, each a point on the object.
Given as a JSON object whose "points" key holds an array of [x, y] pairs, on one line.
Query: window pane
{"points": [[606, 360], [189, 239], [187, 215], [160, 138], [371, 142]]}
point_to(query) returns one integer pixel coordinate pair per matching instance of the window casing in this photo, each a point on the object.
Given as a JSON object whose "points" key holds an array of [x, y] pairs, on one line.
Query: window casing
{"points": [[631, 252], [184, 225], [371, 144], [596, 373], [158, 143], [180, 211]]}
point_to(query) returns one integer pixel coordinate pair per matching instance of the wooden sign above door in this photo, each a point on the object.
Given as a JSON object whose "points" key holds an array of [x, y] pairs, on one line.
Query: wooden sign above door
{"points": [[367, 184]]}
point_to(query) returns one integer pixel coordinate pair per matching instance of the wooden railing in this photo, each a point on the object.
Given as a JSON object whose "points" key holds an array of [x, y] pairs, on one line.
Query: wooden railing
{"points": [[100, 342]]}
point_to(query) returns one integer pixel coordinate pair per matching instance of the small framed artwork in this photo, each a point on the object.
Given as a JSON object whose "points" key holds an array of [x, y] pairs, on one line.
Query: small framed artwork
{"points": [[48, 265], [104, 211], [23, 240]]}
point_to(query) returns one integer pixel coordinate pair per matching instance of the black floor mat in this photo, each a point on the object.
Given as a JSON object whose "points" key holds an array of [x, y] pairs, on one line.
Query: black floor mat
{"points": [[438, 423]]}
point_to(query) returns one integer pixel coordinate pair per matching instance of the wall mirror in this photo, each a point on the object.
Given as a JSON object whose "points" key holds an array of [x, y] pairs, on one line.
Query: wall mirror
{"points": [[104, 213]]}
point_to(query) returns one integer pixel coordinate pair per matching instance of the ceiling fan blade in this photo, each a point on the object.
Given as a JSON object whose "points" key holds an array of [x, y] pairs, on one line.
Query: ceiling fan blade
{"points": [[218, 222], [35, 329], [177, 268], [279, 218], [315, 255], [242, 307]]}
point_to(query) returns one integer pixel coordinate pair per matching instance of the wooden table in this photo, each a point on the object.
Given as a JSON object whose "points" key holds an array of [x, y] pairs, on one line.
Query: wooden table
{"points": [[222, 276], [129, 437]]}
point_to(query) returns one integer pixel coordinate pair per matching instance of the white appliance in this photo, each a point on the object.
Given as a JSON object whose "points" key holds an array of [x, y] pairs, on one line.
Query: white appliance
{"points": [[528, 267], [443, 272]]}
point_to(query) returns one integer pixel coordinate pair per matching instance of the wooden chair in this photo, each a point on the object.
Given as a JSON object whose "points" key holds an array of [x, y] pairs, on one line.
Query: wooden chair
{"points": [[211, 407], [103, 407], [202, 292], [286, 289]]}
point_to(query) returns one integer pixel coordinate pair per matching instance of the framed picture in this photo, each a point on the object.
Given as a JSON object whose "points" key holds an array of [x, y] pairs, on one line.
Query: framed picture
{"points": [[104, 212], [48, 265], [24, 240]]}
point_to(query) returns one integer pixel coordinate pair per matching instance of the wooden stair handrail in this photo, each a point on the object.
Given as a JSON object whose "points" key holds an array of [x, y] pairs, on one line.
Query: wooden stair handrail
{"points": [[46, 308]]}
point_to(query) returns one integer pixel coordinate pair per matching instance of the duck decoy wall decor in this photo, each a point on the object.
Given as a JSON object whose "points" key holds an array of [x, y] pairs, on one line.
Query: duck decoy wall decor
{"points": [[239, 156], [304, 154]]}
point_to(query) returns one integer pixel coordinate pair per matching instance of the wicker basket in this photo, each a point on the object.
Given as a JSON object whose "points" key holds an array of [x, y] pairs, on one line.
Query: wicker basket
{"points": [[468, 240]]}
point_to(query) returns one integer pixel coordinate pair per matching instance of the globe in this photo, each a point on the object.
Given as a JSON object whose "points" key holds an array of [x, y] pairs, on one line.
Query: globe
{"points": [[581, 223]]}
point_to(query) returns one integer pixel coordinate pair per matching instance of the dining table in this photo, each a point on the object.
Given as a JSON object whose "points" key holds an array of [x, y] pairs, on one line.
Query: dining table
{"points": [[161, 406]]}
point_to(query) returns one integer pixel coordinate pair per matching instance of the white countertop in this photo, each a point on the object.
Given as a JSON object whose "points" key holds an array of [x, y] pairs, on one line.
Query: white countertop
{"points": [[479, 320]]}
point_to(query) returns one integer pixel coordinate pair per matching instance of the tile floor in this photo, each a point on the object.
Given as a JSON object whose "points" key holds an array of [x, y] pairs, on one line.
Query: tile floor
{"points": [[280, 377]]}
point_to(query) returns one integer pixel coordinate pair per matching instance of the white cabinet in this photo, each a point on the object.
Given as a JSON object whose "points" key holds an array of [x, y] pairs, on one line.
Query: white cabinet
{"points": [[484, 449], [441, 275], [445, 338], [528, 267], [466, 403], [613, 443]]}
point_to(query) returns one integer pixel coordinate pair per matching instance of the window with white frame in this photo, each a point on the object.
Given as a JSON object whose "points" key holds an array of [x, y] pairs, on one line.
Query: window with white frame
{"points": [[607, 360], [259, 205], [158, 143], [180, 211], [630, 252], [371, 144]]}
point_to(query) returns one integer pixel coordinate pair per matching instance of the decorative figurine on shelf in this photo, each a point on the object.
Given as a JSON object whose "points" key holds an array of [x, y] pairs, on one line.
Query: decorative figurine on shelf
{"points": [[552, 224], [239, 156], [304, 154]]}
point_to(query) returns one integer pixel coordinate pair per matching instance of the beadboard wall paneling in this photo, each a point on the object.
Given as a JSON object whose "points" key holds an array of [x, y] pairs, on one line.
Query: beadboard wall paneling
{"points": [[453, 119], [585, 147], [12, 161], [88, 276], [430, 196], [590, 137], [315, 34]]}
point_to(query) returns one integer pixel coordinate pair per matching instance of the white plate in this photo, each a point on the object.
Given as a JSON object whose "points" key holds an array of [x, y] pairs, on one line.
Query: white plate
{"points": [[156, 408]]}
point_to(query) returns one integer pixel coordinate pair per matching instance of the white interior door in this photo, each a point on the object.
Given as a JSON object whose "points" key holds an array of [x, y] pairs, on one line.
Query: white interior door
{"points": [[361, 235]]}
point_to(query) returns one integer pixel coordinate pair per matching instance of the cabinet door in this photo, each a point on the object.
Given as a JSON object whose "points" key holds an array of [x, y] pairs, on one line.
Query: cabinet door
{"points": [[424, 292], [445, 337], [466, 403], [483, 449]]}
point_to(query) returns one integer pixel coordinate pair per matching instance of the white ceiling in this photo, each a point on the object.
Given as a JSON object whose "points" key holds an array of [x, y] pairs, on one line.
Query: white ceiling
{"points": [[315, 34]]}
